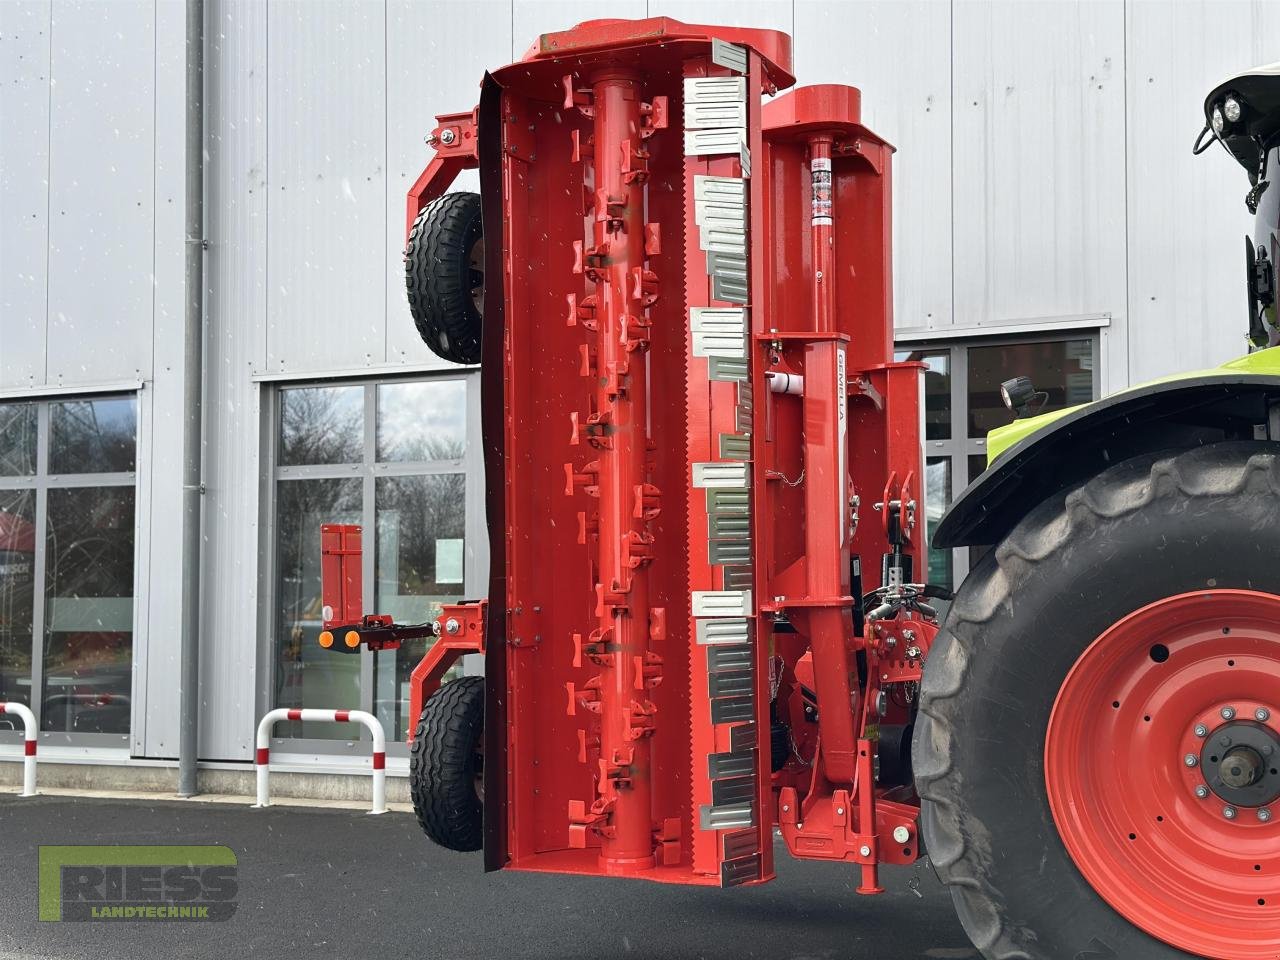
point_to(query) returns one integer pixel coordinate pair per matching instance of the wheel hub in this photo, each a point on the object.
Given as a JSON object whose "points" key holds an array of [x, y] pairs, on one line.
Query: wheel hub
{"points": [[1241, 763], [1172, 822]]}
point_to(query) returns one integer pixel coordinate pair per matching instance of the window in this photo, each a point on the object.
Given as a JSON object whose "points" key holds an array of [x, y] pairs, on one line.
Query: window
{"points": [[393, 456], [67, 503], [962, 404]]}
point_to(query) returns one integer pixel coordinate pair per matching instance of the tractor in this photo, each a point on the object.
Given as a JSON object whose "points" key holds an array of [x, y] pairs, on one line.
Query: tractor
{"points": [[707, 619]]}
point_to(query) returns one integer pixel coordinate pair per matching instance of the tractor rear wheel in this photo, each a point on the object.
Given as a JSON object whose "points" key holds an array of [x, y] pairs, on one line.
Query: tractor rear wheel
{"points": [[446, 763], [1098, 743], [444, 276]]}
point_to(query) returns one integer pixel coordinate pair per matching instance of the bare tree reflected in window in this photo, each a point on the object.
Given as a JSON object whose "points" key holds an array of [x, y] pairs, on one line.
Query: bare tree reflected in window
{"points": [[93, 436], [88, 654], [420, 561], [17, 596], [321, 425], [17, 439]]}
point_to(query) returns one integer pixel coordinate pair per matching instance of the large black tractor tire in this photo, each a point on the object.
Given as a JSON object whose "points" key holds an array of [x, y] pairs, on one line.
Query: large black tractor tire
{"points": [[445, 765], [444, 276], [1147, 529]]}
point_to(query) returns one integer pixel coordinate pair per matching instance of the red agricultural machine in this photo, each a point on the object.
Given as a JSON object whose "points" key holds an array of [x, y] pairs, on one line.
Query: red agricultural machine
{"points": [[705, 619]]}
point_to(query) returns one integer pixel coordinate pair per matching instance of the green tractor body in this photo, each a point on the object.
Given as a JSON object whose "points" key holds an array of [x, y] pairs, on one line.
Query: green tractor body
{"points": [[1099, 727]]}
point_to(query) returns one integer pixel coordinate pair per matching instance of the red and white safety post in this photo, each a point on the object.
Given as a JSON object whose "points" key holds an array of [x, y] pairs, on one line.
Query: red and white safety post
{"points": [[327, 716], [29, 744]]}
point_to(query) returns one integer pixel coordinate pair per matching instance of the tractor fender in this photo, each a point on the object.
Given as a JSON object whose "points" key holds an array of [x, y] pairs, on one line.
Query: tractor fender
{"points": [[1068, 447]]}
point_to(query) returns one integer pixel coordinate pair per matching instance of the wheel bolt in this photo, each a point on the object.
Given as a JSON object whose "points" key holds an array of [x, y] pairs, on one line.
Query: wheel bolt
{"points": [[1201, 730], [1264, 815], [1190, 760], [1262, 714], [1202, 792], [1229, 812], [1228, 713]]}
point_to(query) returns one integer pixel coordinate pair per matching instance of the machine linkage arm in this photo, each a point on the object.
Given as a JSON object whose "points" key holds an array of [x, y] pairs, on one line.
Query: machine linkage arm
{"points": [[457, 631]]}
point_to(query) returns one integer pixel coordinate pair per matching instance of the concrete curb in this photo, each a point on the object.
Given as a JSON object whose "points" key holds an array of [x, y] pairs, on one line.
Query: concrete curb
{"points": [[225, 799]]}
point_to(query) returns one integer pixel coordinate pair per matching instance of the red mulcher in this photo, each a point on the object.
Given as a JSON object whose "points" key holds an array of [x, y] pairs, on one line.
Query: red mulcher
{"points": [[705, 617], [704, 469]]}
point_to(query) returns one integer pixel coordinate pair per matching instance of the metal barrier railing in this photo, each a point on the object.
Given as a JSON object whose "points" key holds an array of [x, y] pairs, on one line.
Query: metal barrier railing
{"points": [[29, 744], [272, 717]]}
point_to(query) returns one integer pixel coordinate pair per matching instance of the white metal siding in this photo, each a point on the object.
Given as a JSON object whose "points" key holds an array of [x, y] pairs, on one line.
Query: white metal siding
{"points": [[236, 306], [326, 177], [1186, 214], [899, 56], [24, 190], [101, 181], [160, 547], [432, 58], [1043, 169]]}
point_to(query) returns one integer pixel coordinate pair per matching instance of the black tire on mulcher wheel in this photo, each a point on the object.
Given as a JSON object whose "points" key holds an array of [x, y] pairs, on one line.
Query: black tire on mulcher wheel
{"points": [[439, 276], [1148, 528], [443, 765]]}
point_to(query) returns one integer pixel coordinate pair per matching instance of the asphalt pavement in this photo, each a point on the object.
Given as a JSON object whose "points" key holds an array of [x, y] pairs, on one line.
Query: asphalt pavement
{"points": [[321, 883]]}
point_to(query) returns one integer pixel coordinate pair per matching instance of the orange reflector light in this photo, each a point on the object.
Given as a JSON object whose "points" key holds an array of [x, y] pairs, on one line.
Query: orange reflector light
{"points": [[352, 639], [326, 639]]}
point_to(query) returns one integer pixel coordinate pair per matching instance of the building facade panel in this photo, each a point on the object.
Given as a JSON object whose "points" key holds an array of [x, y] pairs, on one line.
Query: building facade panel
{"points": [[434, 65], [1043, 171], [1038, 160], [1186, 214], [327, 183], [24, 191], [907, 100], [161, 412], [236, 307], [101, 191], [765, 14]]}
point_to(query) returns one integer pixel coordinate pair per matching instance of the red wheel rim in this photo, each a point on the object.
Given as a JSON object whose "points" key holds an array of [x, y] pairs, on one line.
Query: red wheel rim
{"points": [[1124, 795]]}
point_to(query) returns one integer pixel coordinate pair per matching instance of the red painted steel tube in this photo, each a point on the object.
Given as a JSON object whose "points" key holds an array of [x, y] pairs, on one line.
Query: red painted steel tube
{"points": [[826, 485], [621, 403], [826, 546]]}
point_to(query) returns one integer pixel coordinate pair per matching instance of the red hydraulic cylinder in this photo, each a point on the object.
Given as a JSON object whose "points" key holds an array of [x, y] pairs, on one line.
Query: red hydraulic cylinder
{"points": [[823, 242], [625, 784], [829, 621]]}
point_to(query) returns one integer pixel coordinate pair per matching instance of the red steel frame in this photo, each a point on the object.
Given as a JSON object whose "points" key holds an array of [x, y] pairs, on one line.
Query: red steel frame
{"points": [[634, 739]]}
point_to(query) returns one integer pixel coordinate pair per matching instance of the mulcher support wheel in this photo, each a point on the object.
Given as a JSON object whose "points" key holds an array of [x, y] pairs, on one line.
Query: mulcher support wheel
{"points": [[1098, 739], [444, 276], [446, 763]]}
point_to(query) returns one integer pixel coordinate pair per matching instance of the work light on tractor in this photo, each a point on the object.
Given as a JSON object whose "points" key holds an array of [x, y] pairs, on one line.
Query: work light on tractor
{"points": [[707, 621]]}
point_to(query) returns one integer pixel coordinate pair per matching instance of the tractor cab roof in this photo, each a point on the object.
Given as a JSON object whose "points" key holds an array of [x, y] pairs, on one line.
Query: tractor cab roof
{"points": [[1257, 126]]}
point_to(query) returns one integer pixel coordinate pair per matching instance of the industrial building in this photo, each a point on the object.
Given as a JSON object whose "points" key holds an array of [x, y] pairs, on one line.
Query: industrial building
{"points": [[1050, 220]]}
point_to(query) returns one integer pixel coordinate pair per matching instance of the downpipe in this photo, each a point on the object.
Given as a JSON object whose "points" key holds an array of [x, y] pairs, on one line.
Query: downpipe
{"points": [[192, 408]]}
